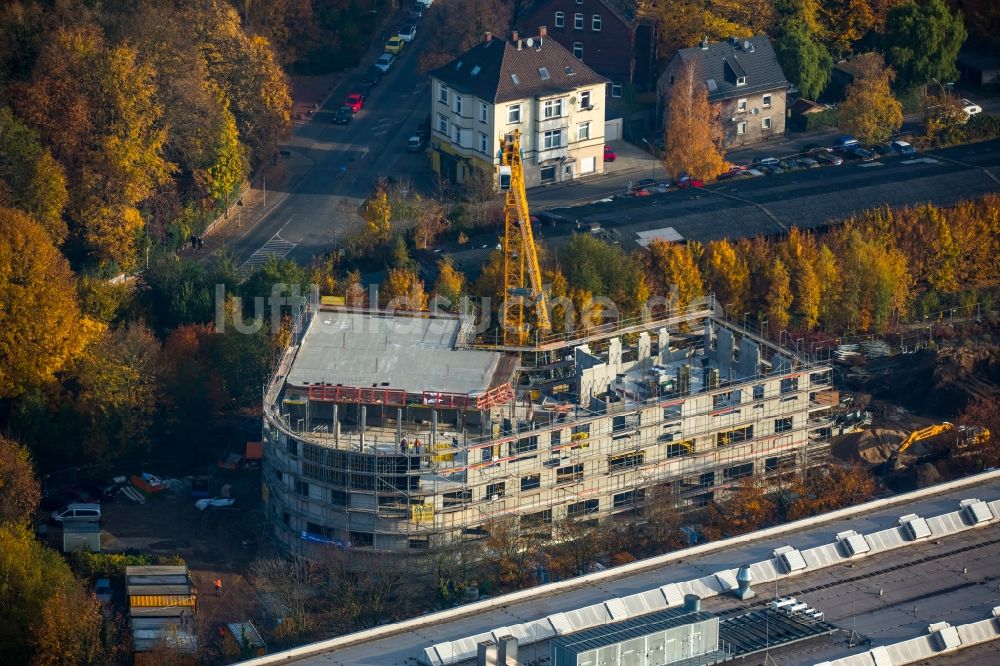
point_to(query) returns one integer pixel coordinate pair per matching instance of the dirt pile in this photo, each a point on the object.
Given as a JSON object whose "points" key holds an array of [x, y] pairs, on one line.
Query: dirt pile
{"points": [[935, 383], [873, 446]]}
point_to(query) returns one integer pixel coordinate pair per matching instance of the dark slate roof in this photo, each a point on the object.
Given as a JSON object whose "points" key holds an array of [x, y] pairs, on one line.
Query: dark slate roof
{"points": [[722, 62], [498, 59]]}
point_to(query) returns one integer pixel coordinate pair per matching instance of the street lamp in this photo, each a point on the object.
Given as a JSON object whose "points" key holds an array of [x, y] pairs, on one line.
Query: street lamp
{"points": [[653, 154]]}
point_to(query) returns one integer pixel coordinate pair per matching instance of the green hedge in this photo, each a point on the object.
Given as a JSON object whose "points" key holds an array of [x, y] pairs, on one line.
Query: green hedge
{"points": [[813, 121], [112, 565]]}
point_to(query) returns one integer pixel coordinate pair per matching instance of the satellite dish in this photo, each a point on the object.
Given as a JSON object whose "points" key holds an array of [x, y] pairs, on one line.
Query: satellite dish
{"points": [[746, 45], [755, 111], [530, 42], [572, 99]]}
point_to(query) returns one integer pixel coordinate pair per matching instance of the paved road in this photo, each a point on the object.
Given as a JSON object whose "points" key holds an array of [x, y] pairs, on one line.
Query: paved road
{"points": [[768, 205], [342, 162]]}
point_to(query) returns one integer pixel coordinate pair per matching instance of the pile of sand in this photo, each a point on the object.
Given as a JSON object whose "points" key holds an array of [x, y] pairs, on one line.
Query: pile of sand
{"points": [[873, 446]]}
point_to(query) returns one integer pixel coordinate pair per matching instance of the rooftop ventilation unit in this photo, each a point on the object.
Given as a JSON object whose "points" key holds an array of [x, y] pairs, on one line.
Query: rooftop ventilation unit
{"points": [[915, 526], [975, 511], [852, 544], [945, 635], [790, 558]]}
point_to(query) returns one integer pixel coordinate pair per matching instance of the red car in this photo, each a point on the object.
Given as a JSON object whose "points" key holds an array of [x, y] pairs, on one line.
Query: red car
{"points": [[355, 100], [609, 154]]}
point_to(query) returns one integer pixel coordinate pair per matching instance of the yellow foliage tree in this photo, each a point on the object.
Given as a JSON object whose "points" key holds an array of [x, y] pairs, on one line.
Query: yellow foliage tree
{"points": [[692, 129], [673, 272], [404, 290], [41, 328], [378, 217], [727, 274], [682, 23], [450, 283], [870, 112], [779, 296]]}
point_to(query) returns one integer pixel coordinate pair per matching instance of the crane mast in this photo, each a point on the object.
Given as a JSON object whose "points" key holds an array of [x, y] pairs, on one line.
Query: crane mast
{"points": [[522, 276]]}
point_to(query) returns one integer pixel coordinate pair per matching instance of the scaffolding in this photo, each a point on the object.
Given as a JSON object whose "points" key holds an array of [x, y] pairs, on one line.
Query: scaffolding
{"points": [[582, 430]]}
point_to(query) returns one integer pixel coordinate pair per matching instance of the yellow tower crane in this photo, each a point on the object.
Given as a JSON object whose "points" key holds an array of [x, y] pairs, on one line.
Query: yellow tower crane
{"points": [[522, 276]]}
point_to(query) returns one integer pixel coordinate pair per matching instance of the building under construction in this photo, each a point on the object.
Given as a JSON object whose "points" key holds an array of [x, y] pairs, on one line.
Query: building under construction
{"points": [[397, 432]]}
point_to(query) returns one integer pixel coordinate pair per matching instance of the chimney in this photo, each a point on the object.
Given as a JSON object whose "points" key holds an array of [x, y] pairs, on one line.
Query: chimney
{"points": [[704, 43], [489, 36], [513, 36], [543, 31]]}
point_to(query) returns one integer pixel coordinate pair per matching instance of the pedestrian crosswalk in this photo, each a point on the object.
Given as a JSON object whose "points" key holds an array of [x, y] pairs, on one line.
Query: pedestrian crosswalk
{"points": [[276, 247]]}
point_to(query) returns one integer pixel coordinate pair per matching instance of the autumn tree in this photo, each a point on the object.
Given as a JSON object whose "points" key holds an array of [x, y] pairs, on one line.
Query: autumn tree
{"points": [[19, 491], [30, 178], [466, 24], [673, 272], [511, 549], [41, 328], [726, 274], [779, 296], [924, 235], [404, 290], [747, 509], [870, 112], [922, 40], [692, 141], [293, 580], [876, 281], [846, 22], [830, 488], [450, 284], [800, 254], [685, 22], [602, 269]]}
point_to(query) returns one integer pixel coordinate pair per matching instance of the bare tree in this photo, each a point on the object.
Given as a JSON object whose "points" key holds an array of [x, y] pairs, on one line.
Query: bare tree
{"points": [[293, 581]]}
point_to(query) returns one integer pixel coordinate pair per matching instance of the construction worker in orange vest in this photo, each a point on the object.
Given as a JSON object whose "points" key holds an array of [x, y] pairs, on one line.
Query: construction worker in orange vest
{"points": [[218, 586]]}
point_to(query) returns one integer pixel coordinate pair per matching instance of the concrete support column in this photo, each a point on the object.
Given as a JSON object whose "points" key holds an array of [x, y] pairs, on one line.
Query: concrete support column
{"points": [[399, 425], [434, 427], [362, 418], [336, 424]]}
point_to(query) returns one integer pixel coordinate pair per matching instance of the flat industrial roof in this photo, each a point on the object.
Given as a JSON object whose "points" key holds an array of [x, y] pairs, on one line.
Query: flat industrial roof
{"points": [[393, 351], [887, 597]]}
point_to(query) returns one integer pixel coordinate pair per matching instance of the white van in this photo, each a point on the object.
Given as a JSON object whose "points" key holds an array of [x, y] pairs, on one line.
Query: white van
{"points": [[78, 513]]}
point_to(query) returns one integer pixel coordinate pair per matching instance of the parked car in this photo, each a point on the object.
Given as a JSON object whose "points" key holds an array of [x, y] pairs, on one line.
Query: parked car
{"points": [[426, 3], [846, 141], [385, 62], [415, 143], [416, 13], [970, 108], [395, 45], [686, 182], [372, 77], [903, 148], [859, 152], [791, 164], [808, 162], [407, 32], [354, 101], [102, 590], [77, 513], [827, 157], [881, 149], [343, 115], [609, 154]]}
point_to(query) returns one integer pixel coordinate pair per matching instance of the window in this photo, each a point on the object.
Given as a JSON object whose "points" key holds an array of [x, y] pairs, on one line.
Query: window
{"points": [[672, 412], [628, 498], [483, 113], [457, 498], [292, 447], [442, 124], [734, 436], [443, 93], [496, 490], [302, 488], [585, 99], [517, 81], [758, 392], [560, 20], [737, 471], [362, 539], [595, 23], [531, 482], [767, 101], [543, 73], [741, 81], [626, 460], [524, 445], [458, 104], [537, 518], [483, 146], [476, 70], [458, 135], [553, 139], [577, 509], [514, 113], [765, 124], [741, 128], [578, 21], [569, 70], [552, 108], [555, 438], [338, 498], [569, 473], [678, 449], [789, 385], [783, 425], [741, 106], [578, 50], [616, 89], [582, 131], [548, 174]]}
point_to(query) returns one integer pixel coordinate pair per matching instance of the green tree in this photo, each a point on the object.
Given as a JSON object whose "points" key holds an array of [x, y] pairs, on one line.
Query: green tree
{"points": [[603, 269], [922, 40], [41, 328], [805, 60], [870, 112]]}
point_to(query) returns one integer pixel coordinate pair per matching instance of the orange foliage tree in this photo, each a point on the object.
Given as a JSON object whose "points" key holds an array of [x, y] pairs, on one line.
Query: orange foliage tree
{"points": [[693, 135]]}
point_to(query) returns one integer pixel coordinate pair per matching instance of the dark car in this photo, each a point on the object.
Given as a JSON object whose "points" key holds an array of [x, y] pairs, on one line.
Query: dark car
{"points": [[827, 157], [372, 77], [343, 115], [859, 153], [881, 149]]}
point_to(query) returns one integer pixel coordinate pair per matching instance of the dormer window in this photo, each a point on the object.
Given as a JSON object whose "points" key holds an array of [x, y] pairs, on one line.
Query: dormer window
{"points": [[741, 81]]}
